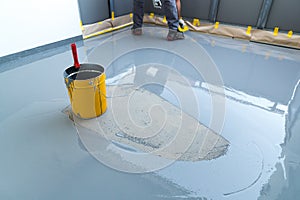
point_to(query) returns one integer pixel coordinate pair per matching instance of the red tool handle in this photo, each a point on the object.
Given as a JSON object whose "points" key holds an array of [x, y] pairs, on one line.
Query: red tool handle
{"points": [[75, 56]]}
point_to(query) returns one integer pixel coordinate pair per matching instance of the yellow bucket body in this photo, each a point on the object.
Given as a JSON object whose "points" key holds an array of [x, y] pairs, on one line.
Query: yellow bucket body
{"points": [[87, 91]]}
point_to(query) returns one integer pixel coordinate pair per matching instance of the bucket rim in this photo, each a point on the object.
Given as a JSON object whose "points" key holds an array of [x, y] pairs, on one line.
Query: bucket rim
{"points": [[82, 71], [98, 69], [86, 65]]}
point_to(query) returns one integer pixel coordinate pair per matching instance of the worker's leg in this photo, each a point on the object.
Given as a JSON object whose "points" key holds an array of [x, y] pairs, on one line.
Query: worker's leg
{"points": [[138, 13], [171, 13], [178, 5], [172, 18], [180, 20]]}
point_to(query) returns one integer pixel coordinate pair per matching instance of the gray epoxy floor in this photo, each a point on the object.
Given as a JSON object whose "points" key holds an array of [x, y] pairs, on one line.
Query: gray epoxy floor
{"points": [[42, 157]]}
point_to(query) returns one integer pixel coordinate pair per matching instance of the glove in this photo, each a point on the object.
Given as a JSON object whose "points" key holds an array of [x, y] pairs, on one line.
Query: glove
{"points": [[157, 4]]}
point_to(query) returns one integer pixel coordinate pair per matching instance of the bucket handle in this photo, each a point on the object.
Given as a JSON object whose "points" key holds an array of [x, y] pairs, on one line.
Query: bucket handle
{"points": [[75, 56]]}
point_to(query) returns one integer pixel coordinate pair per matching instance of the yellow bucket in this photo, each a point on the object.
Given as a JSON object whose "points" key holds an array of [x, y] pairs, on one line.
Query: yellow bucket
{"points": [[87, 91]]}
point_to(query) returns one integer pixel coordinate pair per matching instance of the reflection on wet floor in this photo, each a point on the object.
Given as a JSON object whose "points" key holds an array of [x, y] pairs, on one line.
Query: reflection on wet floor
{"points": [[246, 92]]}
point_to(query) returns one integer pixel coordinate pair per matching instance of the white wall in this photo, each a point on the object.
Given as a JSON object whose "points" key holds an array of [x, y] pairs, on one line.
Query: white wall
{"points": [[26, 24]]}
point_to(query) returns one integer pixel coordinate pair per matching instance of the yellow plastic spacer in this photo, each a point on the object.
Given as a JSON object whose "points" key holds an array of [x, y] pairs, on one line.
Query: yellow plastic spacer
{"points": [[276, 29], [151, 15], [248, 32], [81, 26], [112, 15], [290, 34], [165, 19], [196, 22], [217, 25], [130, 15]]}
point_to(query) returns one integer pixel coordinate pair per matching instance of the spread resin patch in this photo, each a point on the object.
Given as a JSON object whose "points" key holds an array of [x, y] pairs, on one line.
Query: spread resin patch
{"points": [[145, 125]]}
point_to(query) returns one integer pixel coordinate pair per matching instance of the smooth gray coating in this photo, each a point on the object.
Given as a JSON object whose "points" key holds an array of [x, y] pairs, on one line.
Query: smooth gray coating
{"points": [[8, 62], [42, 157]]}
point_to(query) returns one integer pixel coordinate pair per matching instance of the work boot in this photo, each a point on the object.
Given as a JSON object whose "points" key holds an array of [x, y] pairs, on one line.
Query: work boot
{"points": [[175, 35], [137, 31]]}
